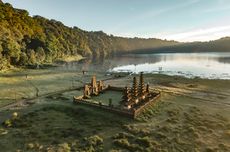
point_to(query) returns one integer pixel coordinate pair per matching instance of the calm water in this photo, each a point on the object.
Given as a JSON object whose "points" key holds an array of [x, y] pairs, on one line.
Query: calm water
{"points": [[204, 65]]}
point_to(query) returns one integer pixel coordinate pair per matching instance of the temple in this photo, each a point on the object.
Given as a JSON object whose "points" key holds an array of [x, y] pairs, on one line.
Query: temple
{"points": [[132, 102], [94, 88], [136, 95]]}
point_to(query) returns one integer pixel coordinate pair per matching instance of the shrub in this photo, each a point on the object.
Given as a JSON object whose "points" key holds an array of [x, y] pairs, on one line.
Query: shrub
{"points": [[124, 143], [210, 150], [173, 112], [95, 140], [227, 133], [64, 147], [7, 123], [145, 141], [131, 129], [30, 146], [123, 135], [144, 132], [93, 143]]}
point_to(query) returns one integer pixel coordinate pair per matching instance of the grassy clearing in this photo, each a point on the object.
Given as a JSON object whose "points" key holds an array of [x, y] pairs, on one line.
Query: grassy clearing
{"points": [[168, 126], [27, 84], [191, 115]]}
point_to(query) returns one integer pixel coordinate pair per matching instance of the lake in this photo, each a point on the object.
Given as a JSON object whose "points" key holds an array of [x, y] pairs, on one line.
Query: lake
{"points": [[204, 65]]}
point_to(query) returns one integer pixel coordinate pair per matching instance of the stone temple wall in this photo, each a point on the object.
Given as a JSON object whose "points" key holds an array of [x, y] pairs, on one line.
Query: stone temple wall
{"points": [[128, 113]]}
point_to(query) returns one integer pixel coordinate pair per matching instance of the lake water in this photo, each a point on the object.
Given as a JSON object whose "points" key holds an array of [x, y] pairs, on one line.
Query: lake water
{"points": [[204, 65]]}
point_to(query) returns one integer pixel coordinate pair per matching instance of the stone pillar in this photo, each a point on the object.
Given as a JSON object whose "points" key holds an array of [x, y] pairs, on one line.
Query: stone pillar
{"points": [[147, 88], [126, 95], [93, 81], [134, 89], [86, 91], [141, 85], [94, 85], [100, 86]]}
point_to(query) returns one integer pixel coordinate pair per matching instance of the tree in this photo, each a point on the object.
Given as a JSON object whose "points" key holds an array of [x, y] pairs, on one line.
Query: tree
{"points": [[3, 63], [1, 49], [52, 45], [23, 59], [11, 50], [32, 57], [40, 54]]}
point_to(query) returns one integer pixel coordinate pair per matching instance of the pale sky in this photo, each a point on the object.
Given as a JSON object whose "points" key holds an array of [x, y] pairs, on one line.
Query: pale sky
{"points": [[180, 20]]}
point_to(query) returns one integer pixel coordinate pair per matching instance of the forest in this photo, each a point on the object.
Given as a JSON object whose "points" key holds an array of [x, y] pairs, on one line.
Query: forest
{"points": [[220, 45]]}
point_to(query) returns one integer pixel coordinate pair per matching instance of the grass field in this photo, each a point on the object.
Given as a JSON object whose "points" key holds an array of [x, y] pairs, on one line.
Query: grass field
{"points": [[24, 84], [191, 115]]}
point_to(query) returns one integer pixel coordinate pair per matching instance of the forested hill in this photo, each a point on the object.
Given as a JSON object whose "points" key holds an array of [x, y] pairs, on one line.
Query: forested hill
{"points": [[220, 45], [26, 40]]}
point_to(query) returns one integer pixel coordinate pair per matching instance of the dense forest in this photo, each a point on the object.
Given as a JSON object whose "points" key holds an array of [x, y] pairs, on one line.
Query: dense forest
{"points": [[220, 45], [26, 40]]}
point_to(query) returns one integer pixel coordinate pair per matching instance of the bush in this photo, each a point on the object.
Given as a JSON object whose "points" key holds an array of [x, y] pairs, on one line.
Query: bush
{"points": [[95, 140], [123, 135], [145, 141], [227, 133], [7, 123], [93, 143], [131, 129], [30, 146], [144, 132], [124, 143], [64, 147]]}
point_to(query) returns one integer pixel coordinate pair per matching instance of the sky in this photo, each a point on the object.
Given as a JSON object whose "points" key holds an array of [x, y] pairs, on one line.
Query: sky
{"points": [[180, 20]]}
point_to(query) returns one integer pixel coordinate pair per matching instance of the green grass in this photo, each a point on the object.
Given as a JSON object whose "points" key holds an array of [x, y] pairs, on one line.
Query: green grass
{"points": [[168, 126], [51, 124], [115, 96], [15, 85]]}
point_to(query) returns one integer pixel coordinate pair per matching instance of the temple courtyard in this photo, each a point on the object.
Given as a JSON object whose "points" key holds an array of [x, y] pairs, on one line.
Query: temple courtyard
{"points": [[104, 98], [134, 101]]}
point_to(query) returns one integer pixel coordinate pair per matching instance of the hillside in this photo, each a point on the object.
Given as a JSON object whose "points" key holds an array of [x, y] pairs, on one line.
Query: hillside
{"points": [[220, 45], [26, 40]]}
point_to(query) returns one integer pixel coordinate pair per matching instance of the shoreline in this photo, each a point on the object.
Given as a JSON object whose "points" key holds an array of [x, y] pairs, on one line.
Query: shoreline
{"points": [[163, 82]]}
